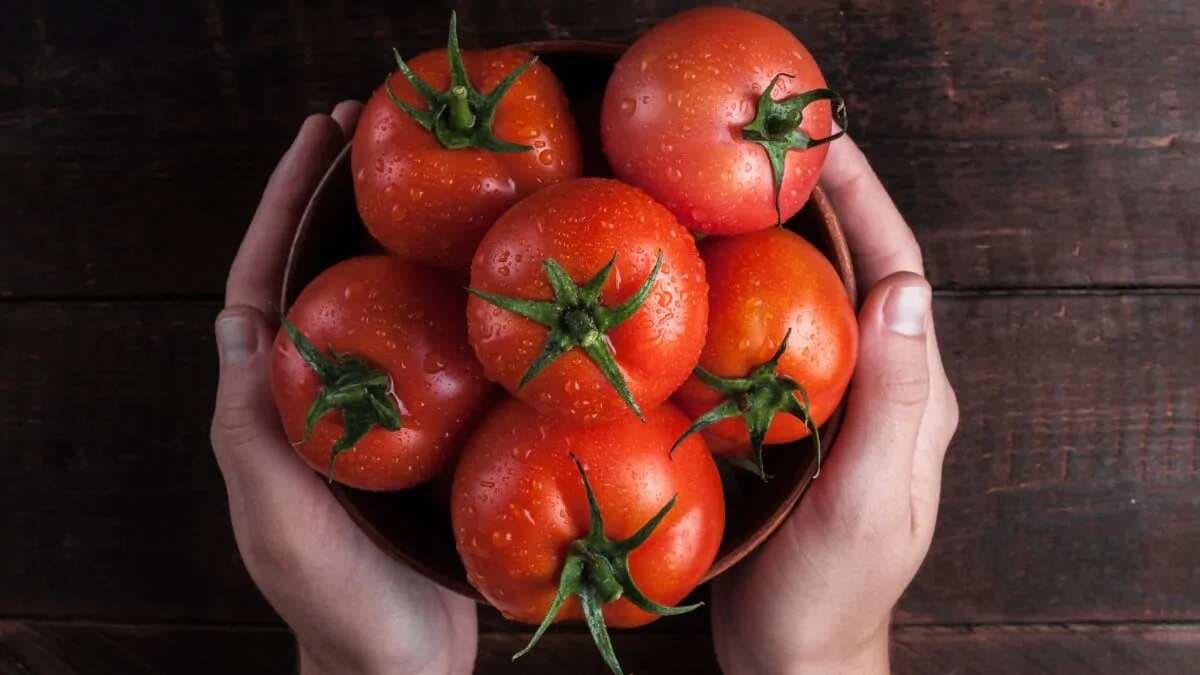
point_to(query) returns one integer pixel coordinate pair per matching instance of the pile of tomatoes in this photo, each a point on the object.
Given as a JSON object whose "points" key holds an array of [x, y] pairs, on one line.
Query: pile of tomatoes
{"points": [[635, 326]]}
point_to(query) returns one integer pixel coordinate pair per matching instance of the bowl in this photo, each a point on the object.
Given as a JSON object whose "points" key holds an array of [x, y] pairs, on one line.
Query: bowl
{"points": [[414, 525]]}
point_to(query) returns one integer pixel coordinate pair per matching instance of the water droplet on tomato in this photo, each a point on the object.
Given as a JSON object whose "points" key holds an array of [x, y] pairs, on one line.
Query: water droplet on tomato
{"points": [[546, 157], [674, 173], [501, 539], [628, 105], [434, 363]]}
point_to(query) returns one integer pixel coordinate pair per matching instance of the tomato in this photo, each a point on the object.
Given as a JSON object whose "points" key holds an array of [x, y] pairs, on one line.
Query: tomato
{"points": [[690, 117], [523, 525], [430, 202], [588, 298], [375, 350], [775, 299]]}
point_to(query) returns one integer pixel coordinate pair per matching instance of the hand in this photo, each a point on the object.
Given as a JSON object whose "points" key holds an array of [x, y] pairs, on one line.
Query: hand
{"points": [[353, 609], [818, 596]]}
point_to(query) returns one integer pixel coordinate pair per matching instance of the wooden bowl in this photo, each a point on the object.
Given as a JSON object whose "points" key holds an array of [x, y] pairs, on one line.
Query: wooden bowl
{"points": [[414, 525]]}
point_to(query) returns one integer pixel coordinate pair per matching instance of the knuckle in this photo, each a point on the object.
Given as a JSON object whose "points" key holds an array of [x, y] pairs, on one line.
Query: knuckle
{"points": [[905, 388], [319, 126], [270, 549], [235, 423]]}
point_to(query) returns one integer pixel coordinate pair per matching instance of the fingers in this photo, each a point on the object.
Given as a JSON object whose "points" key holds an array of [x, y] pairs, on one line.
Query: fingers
{"points": [[346, 114], [873, 455], [258, 268], [937, 428], [251, 448], [880, 239]]}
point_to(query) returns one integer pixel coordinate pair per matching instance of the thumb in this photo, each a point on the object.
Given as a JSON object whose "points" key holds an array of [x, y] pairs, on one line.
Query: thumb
{"points": [[874, 451], [246, 435]]}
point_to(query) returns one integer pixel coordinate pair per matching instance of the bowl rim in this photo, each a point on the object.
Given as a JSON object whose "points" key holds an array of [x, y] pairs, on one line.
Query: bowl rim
{"points": [[841, 259]]}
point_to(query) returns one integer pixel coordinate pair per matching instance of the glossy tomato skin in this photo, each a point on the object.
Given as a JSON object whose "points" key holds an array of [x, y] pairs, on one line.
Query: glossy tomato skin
{"points": [[401, 318], [675, 106], [764, 283], [581, 224], [519, 502], [430, 204]]}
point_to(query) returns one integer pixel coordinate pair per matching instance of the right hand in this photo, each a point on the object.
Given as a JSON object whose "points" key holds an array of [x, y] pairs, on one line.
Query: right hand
{"points": [[818, 596]]}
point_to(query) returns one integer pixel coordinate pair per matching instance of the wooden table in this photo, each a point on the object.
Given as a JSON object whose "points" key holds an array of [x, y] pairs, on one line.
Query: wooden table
{"points": [[1047, 154]]}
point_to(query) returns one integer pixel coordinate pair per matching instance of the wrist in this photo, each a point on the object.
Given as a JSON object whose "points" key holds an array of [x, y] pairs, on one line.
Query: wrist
{"points": [[868, 657], [317, 659], [866, 654]]}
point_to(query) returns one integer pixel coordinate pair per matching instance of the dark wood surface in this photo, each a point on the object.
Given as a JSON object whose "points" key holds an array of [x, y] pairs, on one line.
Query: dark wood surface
{"points": [[1047, 154]]}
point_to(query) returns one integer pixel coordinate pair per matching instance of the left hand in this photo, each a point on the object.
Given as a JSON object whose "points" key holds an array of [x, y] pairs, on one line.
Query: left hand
{"points": [[353, 608]]}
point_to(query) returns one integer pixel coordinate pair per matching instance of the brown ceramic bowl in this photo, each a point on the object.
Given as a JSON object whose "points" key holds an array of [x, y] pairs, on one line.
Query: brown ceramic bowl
{"points": [[414, 525]]}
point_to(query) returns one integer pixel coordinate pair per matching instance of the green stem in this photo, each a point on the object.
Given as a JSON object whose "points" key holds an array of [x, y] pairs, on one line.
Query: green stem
{"points": [[461, 117], [577, 318], [362, 394], [756, 398], [597, 571], [776, 127]]}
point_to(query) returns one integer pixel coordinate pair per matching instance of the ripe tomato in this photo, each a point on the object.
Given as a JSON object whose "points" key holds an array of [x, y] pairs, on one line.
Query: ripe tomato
{"points": [[774, 298], [381, 344], [691, 118], [588, 297], [429, 194], [526, 533]]}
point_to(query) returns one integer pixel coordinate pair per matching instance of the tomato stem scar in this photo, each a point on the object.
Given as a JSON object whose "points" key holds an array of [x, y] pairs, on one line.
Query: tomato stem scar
{"points": [[756, 398], [461, 116], [597, 570], [776, 127], [363, 394], [577, 318]]}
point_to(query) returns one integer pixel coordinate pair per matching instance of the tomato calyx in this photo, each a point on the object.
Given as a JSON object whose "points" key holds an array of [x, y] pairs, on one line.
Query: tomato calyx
{"points": [[776, 127], [597, 570], [577, 318], [461, 116], [756, 398], [364, 395]]}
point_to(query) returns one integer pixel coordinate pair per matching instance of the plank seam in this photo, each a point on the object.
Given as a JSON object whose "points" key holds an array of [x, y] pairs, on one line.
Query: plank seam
{"points": [[1116, 290]]}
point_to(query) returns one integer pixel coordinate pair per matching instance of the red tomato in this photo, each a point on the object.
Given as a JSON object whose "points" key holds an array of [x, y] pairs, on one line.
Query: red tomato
{"points": [[567, 350], [395, 370], [432, 204], [519, 509], [767, 285], [678, 105]]}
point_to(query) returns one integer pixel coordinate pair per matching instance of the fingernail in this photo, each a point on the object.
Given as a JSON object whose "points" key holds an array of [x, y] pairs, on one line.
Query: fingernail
{"points": [[905, 309], [236, 339]]}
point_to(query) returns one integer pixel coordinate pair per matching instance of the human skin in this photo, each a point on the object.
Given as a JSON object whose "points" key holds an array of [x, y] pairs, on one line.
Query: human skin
{"points": [[818, 596], [353, 608]]}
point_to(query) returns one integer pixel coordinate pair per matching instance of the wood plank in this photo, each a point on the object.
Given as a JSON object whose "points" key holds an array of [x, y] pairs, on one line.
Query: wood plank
{"points": [[1070, 493], [1040, 145], [1071, 490], [46, 648]]}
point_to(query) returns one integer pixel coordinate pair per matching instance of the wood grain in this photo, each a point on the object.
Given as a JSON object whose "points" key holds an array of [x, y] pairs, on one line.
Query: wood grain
{"points": [[1070, 493], [48, 648], [1031, 135]]}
